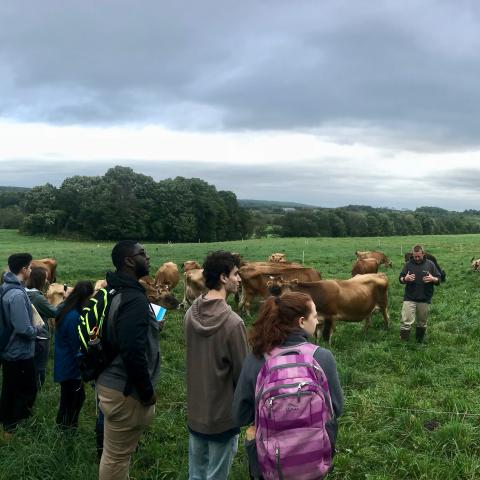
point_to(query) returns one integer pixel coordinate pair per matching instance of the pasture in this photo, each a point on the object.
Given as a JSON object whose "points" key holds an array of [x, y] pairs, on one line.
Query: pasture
{"points": [[411, 412]]}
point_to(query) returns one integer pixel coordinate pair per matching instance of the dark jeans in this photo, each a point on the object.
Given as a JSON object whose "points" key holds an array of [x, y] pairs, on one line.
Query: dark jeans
{"points": [[42, 347], [19, 390], [72, 396]]}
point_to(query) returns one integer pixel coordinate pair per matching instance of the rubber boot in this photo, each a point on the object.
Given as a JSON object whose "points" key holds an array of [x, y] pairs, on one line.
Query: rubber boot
{"points": [[420, 334], [404, 335]]}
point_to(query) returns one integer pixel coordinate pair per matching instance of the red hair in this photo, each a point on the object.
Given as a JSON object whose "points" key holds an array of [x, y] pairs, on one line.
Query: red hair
{"points": [[278, 317]]}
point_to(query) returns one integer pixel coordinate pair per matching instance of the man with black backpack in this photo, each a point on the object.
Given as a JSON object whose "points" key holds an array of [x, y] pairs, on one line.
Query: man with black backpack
{"points": [[125, 387], [17, 344]]}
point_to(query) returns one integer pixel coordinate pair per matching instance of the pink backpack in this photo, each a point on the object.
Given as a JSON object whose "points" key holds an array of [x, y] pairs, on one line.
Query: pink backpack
{"points": [[293, 406]]}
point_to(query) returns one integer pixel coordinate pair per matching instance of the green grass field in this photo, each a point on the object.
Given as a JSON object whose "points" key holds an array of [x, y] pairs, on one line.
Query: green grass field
{"points": [[411, 412]]}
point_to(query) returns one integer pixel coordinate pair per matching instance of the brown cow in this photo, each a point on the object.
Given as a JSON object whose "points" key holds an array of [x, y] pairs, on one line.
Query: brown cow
{"points": [[256, 275], [194, 286], [367, 265], [350, 300], [277, 258], [381, 258], [158, 296], [190, 265], [475, 264], [99, 284], [167, 276], [50, 265], [56, 293]]}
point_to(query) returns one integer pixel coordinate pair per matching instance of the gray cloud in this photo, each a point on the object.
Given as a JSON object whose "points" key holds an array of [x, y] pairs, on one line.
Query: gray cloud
{"points": [[329, 184], [398, 74]]}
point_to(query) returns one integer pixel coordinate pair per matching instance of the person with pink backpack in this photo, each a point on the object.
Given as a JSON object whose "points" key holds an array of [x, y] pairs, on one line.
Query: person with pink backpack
{"points": [[290, 391]]}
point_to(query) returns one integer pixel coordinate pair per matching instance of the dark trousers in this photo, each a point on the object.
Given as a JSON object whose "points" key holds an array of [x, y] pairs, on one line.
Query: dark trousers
{"points": [[19, 390], [72, 396], [42, 347]]}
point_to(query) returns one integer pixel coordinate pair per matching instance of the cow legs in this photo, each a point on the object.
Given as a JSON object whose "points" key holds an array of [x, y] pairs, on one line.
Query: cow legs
{"points": [[368, 322], [327, 330]]}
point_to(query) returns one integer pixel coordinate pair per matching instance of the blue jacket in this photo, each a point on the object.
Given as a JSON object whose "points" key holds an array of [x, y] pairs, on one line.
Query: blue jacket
{"points": [[18, 309], [67, 345]]}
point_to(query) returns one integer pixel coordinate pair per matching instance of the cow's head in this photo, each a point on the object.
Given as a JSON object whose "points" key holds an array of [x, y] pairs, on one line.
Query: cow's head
{"points": [[158, 296], [386, 261], [277, 258], [277, 285], [190, 265]]}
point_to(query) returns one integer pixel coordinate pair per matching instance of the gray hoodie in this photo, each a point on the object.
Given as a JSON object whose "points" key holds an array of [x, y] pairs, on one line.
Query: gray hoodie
{"points": [[18, 309], [216, 348]]}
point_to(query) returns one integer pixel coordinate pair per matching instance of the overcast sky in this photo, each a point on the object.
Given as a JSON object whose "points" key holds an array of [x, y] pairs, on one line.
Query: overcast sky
{"points": [[321, 102]]}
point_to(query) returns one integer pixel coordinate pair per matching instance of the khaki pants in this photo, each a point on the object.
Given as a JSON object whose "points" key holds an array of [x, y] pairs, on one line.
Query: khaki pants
{"points": [[125, 420], [412, 311]]}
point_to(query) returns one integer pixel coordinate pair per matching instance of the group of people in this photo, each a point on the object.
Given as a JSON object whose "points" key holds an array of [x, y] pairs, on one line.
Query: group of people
{"points": [[25, 352], [224, 364]]}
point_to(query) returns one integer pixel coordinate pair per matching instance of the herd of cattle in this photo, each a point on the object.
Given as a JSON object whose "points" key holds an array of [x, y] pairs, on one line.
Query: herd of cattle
{"points": [[352, 300]]}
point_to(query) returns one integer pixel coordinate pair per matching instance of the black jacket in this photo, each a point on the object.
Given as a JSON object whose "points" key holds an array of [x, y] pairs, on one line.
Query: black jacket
{"points": [[418, 290], [135, 369]]}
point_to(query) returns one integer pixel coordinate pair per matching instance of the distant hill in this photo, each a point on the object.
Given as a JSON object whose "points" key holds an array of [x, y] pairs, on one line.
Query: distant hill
{"points": [[14, 189], [247, 203]]}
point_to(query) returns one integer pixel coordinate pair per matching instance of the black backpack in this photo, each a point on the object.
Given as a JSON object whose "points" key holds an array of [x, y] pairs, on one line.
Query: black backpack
{"points": [[97, 318], [6, 327]]}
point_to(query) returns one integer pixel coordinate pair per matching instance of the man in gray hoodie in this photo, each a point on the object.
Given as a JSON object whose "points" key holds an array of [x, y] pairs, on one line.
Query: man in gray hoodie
{"points": [[216, 348], [19, 387]]}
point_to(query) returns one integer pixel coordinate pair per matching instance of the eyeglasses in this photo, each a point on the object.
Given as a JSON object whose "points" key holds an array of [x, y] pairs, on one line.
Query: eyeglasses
{"points": [[143, 254]]}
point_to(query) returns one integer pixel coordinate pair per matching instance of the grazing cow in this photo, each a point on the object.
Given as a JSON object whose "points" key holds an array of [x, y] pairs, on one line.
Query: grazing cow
{"points": [[277, 258], [158, 296], [350, 300], [256, 275], [56, 293], [429, 256], [194, 286], [381, 258], [50, 265], [367, 265], [167, 276], [190, 265], [475, 264]]}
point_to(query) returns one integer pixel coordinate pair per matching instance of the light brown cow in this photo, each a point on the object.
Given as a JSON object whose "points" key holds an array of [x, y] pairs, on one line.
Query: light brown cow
{"points": [[99, 284], [190, 265], [167, 276], [194, 286], [277, 258], [158, 296], [381, 258], [50, 265], [350, 300], [256, 275], [366, 265], [56, 293], [475, 264]]}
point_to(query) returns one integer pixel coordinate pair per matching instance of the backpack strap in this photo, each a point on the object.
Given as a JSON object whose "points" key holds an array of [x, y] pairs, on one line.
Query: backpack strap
{"points": [[301, 348]]}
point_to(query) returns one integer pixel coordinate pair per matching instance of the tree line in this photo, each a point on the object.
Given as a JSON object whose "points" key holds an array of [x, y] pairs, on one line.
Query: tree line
{"points": [[126, 204]]}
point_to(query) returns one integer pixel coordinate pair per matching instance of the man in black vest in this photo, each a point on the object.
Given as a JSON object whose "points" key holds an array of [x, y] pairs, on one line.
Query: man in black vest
{"points": [[419, 276]]}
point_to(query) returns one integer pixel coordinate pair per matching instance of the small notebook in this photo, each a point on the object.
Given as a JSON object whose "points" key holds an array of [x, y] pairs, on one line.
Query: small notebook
{"points": [[159, 312]]}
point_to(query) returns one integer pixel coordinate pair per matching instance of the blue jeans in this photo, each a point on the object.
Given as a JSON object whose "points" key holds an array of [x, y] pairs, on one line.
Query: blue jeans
{"points": [[209, 460]]}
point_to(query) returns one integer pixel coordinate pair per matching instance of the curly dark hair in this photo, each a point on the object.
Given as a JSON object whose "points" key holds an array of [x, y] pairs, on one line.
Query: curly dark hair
{"points": [[217, 263], [278, 317]]}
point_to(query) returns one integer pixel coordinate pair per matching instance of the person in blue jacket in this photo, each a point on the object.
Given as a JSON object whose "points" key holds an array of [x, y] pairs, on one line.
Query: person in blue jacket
{"points": [[67, 345]]}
